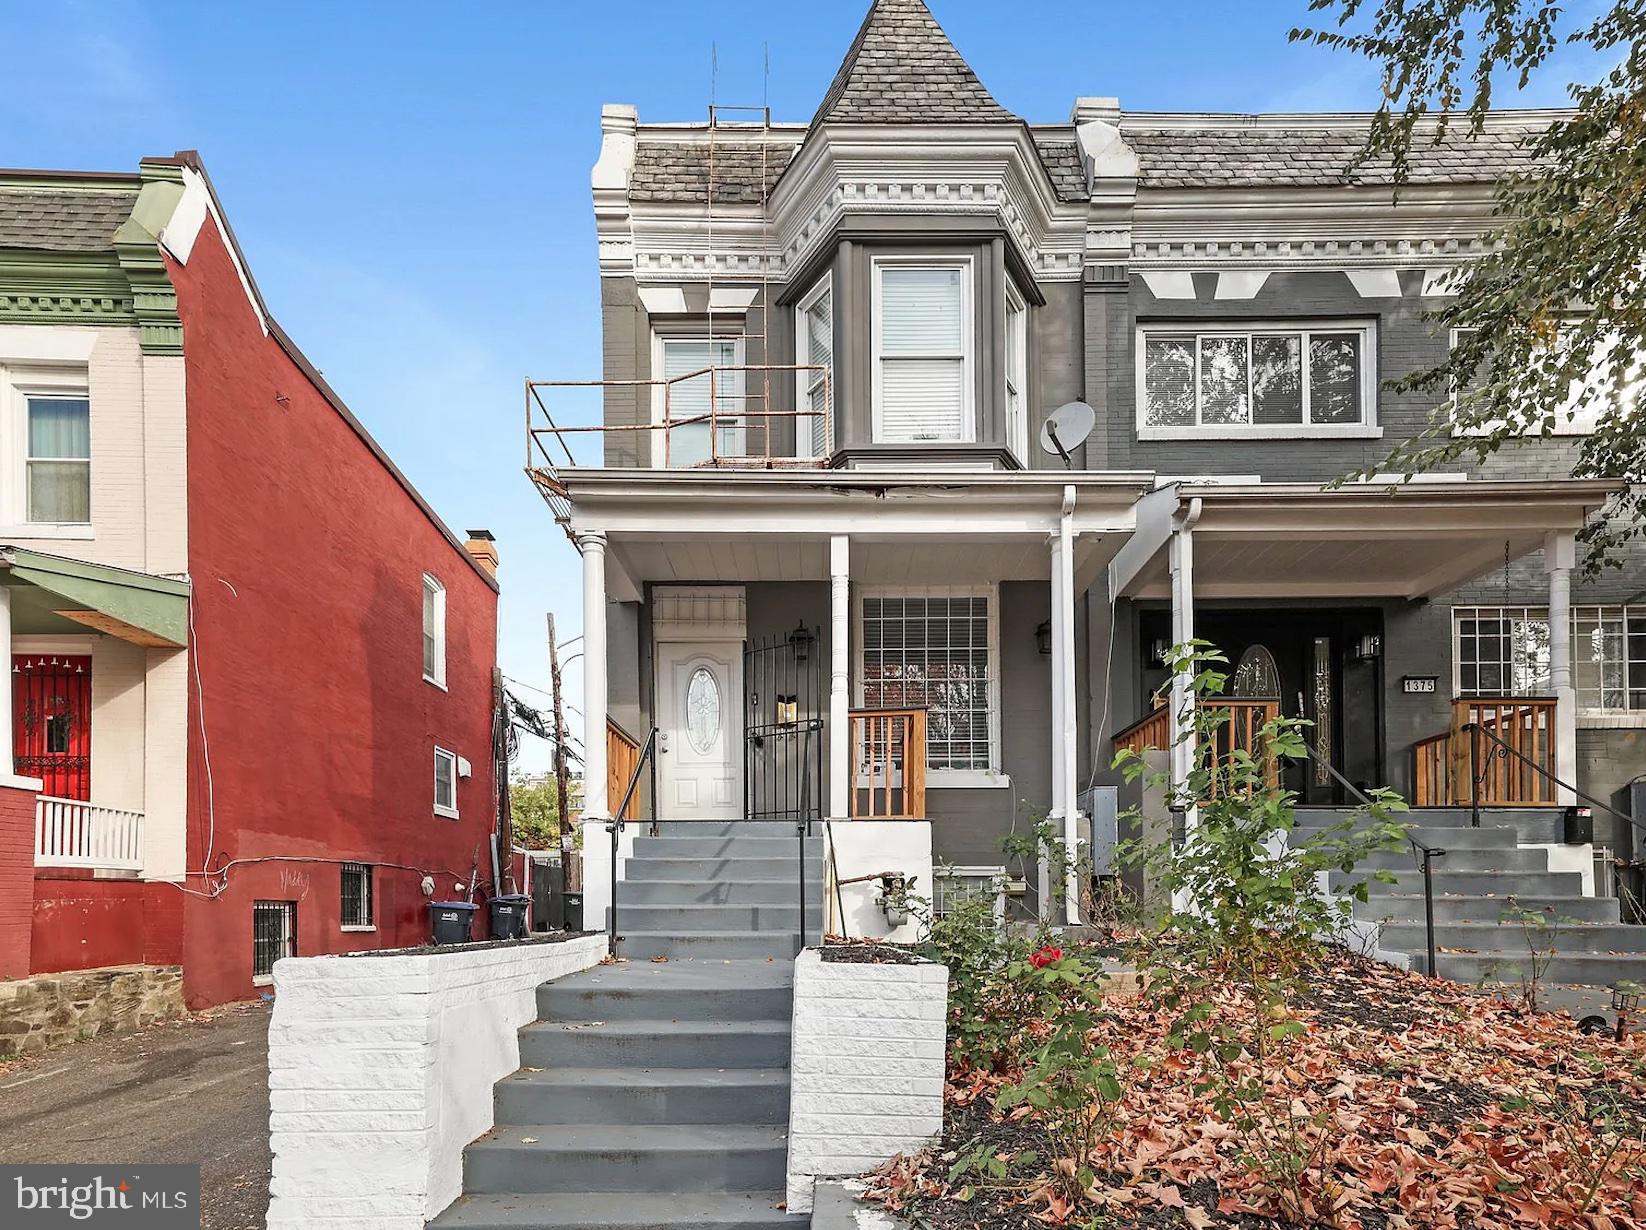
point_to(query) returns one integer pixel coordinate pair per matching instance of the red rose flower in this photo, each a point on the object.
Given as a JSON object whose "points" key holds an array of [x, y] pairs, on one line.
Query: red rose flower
{"points": [[1045, 957]]}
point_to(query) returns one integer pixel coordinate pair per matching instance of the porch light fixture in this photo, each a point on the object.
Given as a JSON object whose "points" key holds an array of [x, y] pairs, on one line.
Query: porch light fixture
{"points": [[1043, 638], [801, 641], [1158, 653], [1369, 647]]}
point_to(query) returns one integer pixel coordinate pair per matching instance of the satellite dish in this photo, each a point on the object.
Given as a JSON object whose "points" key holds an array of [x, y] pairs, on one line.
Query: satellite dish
{"points": [[1067, 427]]}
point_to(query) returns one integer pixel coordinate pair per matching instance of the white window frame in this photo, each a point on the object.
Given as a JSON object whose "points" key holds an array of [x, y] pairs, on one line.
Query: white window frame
{"points": [[968, 343], [1366, 429], [17, 384], [1583, 424], [1588, 715], [659, 450], [806, 383], [448, 810], [433, 588], [1017, 373], [994, 872], [940, 778]]}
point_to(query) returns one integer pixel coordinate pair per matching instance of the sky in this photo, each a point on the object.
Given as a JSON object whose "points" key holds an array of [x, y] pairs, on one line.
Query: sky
{"points": [[410, 181]]}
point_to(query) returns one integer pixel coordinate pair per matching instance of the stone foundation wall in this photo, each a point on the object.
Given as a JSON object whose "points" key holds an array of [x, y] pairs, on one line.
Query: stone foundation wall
{"points": [[51, 1010]]}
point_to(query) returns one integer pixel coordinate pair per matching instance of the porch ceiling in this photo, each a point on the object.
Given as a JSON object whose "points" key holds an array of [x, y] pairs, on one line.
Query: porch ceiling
{"points": [[1367, 540], [55, 595]]}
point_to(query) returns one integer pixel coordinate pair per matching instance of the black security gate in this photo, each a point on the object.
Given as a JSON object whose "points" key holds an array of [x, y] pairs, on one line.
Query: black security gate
{"points": [[783, 700]]}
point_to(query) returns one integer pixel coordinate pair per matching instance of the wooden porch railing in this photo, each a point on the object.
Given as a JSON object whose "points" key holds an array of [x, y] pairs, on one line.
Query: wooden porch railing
{"points": [[1243, 729], [622, 754], [888, 764], [1526, 723]]}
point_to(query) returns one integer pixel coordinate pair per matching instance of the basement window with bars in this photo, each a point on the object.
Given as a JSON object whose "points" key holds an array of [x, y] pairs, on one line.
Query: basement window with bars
{"points": [[952, 885], [923, 328], [273, 935], [357, 897], [934, 651]]}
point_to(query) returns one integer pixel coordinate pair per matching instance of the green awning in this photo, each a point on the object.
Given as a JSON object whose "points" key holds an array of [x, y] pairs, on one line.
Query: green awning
{"points": [[134, 606]]}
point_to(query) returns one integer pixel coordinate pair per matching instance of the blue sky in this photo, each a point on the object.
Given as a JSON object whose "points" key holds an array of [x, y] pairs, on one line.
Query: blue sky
{"points": [[411, 180]]}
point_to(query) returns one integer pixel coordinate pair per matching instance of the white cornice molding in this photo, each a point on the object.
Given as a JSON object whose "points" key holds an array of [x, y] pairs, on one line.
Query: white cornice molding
{"points": [[609, 181]]}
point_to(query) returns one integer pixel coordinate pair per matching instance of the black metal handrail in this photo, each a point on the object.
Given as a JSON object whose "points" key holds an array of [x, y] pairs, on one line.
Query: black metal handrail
{"points": [[1507, 750], [1426, 853], [803, 828], [615, 828]]}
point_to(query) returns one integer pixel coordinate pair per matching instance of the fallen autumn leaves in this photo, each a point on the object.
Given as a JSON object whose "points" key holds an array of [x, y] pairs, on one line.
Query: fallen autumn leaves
{"points": [[1427, 1106]]}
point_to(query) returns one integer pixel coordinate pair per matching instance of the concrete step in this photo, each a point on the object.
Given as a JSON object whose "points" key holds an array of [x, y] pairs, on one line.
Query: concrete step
{"points": [[1580, 968], [635, 945], [1534, 825], [732, 847], [1409, 907], [687, 918], [719, 870], [676, 991], [731, 828], [644, 1096], [656, 1044], [1509, 939], [621, 1211], [1473, 883], [698, 892], [1459, 858], [627, 1158]]}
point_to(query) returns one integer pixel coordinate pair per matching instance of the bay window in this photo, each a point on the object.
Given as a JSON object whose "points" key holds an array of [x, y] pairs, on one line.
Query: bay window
{"points": [[923, 350], [1268, 380], [814, 355], [1017, 374]]}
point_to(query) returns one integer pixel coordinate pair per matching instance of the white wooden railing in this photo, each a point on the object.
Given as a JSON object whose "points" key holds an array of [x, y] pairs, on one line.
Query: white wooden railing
{"points": [[69, 833]]}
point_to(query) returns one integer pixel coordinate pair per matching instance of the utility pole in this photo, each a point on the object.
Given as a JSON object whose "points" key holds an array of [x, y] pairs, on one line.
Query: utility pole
{"points": [[562, 776]]}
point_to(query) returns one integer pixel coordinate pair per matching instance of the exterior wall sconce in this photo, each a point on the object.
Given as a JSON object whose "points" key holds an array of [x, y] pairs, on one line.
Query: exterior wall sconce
{"points": [[1043, 638], [1370, 646], [1158, 652], [801, 641]]}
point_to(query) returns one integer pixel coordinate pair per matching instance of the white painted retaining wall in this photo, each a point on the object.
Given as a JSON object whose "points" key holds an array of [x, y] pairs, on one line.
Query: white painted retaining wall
{"points": [[867, 1067], [865, 847], [381, 1071]]}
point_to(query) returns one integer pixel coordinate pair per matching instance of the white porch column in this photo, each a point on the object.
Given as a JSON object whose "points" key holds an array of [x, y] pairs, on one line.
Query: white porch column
{"points": [[1181, 559], [596, 806], [1559, 556], [7, 768], [1067, 719], [1054, 818], [840, 680]]}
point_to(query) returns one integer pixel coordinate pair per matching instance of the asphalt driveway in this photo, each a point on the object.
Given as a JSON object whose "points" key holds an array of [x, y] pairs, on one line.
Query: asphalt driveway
{"points": [[193, 1091]]}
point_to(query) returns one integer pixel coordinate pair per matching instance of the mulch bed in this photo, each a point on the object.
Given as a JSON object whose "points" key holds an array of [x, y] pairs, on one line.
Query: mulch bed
{"points": [[867, 952], [1420, 1086]]}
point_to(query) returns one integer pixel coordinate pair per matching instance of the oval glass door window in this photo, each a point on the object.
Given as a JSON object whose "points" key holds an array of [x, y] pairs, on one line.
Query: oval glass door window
{"points": [[703, 710], [1256, 675]]}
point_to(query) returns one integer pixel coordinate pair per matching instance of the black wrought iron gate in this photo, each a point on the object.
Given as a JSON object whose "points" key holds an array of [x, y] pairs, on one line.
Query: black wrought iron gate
{"points": [[783, 706]]}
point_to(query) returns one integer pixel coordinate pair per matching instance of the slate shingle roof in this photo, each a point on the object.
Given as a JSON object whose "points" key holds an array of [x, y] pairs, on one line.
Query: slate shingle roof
{"points": [[679, 171], [902, 69], [43, 220], [1270, 157], [1063, 163]]}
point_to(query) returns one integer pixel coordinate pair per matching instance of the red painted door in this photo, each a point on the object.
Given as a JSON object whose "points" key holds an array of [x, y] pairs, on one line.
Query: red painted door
{"points": [[51, 722]]}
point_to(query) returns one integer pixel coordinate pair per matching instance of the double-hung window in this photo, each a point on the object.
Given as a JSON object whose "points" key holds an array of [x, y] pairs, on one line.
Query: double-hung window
{"points": [[814, 379], [935, 650], [445, 783], [434, 631], [1587, 398], [1260, 381], [1504, 651], [702, 383], [45, 439], [923, 372], [1017, 374]]}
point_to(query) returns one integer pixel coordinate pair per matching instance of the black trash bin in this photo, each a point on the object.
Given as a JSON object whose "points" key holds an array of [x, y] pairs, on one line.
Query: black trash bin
{"points": [[574, 911], [508, 913], [1578, 826], [453, 921]]}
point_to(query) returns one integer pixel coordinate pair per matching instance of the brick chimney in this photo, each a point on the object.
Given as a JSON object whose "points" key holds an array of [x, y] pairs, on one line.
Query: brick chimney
{"points": [[482, 545]]}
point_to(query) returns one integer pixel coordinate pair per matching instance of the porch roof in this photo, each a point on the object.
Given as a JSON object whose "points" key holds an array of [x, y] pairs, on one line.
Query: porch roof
{"points": [[922, 527], [55, 594], [1363, 540]]}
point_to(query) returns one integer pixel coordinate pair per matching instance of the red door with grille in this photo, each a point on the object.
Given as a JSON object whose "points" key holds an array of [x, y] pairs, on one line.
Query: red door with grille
{"points": [[51, 722]]}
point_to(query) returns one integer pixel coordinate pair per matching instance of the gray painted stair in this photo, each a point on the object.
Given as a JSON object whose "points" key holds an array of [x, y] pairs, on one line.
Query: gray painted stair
{"points": [[655, 1093], [1484, 875]]}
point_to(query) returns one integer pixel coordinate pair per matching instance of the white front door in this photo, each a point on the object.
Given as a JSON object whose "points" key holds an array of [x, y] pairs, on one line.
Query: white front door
{"points": [[700, 738]]}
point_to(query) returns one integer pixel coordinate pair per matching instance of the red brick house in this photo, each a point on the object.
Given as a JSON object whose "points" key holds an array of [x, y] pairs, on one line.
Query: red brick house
{"points": [[251, 671]]}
